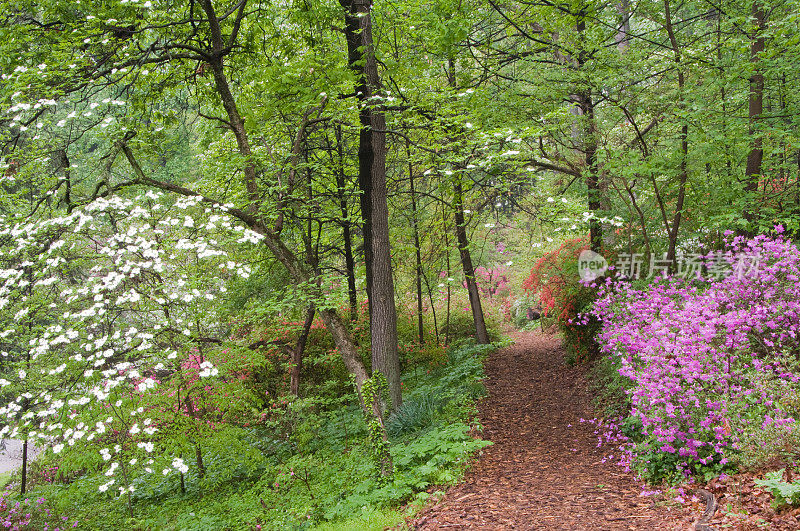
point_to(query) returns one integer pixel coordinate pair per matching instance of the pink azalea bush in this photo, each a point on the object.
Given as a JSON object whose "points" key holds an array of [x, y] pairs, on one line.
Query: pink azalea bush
{"points": [[710, 362], [492, 280], [30, 514]]}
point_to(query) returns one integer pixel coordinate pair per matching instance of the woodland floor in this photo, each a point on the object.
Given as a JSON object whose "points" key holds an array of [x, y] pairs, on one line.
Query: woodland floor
{"points": [[544, 470]]}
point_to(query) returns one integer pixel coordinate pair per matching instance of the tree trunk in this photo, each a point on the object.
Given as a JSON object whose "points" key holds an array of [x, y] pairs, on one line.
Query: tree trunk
{"points": [[433, 308], [297, 352], [235, 120], [24, 478], [418, 270], [198, 457], [589, 141], [375, 209], [349, 260], [198, 453], [592, 176], [481, 334], [684, 138], [622, 37], [755, 108]]}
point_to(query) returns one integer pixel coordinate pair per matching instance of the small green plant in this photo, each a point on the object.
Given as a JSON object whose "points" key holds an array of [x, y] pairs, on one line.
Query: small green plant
{"points": [[375, 391], [415, 413], [609, 388], [655, 466], [784, 492]]}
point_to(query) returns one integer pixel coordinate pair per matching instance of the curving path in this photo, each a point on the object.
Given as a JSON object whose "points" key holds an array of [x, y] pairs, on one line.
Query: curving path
{"points": [[543, 470]]}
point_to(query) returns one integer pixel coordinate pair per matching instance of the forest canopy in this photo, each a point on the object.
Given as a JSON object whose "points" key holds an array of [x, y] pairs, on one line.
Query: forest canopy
{"points": [[216, 216]]}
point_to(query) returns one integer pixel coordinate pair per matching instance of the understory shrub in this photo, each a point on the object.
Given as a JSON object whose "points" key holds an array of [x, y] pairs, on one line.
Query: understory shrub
{"points": [[30, 513], [554, 279], [305, 463], [711, 363], [524, 310], [784, 492]]}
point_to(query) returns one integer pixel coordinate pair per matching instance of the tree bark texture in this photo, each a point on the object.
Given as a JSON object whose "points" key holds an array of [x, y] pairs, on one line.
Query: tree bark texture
{"points": [[375, 209], [589, 148], [481, 334], [755, 108]]}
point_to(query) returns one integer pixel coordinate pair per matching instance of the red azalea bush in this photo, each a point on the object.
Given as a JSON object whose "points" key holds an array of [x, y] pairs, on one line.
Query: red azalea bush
{"points": [[554, 279]]}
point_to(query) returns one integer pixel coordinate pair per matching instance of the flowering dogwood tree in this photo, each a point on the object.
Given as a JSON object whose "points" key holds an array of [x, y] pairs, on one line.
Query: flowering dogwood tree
{"points": [[98, 307]]}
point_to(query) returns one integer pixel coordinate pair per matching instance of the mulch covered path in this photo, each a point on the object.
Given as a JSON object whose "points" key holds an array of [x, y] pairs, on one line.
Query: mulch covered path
{"points": [[544, 470]]}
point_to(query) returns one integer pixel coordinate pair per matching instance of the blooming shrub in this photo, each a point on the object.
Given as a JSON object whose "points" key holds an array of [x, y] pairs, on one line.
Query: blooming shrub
{"points": [[554, 279], [712, 362], [492, 280], [30, 514]]}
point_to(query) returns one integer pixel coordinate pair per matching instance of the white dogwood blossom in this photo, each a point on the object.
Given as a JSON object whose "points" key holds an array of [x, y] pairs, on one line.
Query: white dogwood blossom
{"points": [[108, 330]]}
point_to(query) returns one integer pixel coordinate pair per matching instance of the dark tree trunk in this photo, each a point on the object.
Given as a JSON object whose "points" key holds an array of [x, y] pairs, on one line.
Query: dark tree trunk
{"points": [[61, 165], [481, 334], [349, 260], [198, 457], [592, 176], [684, 138], [755, 108], [418, 270], [589, 141], [198, 453], [235, 120], [297, 352], [365, 187], [24, 478], [375, 209]]}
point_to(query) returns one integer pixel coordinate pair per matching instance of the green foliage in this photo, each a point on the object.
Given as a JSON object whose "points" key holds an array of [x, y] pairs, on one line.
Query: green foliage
{"points": [[367, 519], [415, 413], [519, 310], [655, 466], [470, 99], [609, 388], [306, 463], [785, 493], [374, 394]]}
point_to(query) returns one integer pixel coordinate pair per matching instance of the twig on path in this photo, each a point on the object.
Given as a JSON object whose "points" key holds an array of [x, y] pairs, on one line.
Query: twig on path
{"points": [[711, 507]]}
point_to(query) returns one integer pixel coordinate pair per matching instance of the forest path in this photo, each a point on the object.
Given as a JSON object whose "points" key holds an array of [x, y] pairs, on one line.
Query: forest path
{"points": [[544, 470]]}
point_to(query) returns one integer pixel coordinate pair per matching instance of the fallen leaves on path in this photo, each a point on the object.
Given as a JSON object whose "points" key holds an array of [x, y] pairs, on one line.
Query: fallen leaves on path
{"points": [[544, 470]]}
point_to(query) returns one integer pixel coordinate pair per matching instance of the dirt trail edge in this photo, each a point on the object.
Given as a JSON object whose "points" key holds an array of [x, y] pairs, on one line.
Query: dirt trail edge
{"points": [[544, 470]]}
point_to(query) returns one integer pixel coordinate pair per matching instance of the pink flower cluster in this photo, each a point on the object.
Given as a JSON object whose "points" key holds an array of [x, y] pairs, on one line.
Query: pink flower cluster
{"points": [[27, 514], [708, 358], [492, 280]]}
